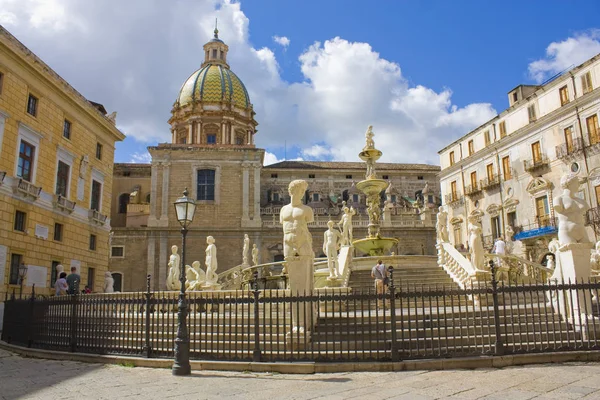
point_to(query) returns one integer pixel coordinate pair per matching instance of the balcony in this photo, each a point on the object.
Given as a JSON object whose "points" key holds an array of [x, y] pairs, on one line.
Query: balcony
{"points": [[27, 189], [64, 204], [567, 151], [542, 226], [536, 163], [490, 182], [472, 190], [592, 218], [96, 217], [453, 199]]}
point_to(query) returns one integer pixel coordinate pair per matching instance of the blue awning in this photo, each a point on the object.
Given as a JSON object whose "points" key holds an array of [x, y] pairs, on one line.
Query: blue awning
{"points": [[545, 230]]}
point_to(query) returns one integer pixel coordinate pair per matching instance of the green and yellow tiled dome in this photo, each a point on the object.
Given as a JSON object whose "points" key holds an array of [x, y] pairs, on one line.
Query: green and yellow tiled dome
{"points": [[214, 83]]}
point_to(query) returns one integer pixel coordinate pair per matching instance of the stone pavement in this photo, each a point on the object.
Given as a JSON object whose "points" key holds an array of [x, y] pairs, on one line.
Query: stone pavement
{"points": [[26, 378]]}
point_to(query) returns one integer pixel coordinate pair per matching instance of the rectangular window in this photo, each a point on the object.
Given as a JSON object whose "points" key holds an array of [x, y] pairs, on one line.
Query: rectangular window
{"points": [[420, 177], [564, 95], [315, 197], [586, 83], [206, 185], [96, 195], [542, 210], [536, 151], [67, 129], [25, 165], [489, 169], [1, 81], [515, 96], [453, 190], [53, 276], [385, 177], [474, 179], [531, 113], [592, 128], [487, 138], [355, 198], [506, 168], [457, 235], [471, 148], [62, 179], [569, 139], [98, 151], [311, 176], [91, 277], [511, 218], [15, 262], [502, 127], [58, 232], [92, 242], [32, 104], [496, 231], [117, 251], [348, 176], [452, 158], [275, 196], [273, 175], [20, 221], [211, 139]]}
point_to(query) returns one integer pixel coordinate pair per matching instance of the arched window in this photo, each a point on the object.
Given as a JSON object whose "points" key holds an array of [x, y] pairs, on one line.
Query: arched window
{"points": [[206, 185], [148, 198], [118, 285], [123, 201], [211, 134], [345, 196], [239, 138]]}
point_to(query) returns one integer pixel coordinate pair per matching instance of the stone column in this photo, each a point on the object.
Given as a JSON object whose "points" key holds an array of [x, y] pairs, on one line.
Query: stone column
{"points": [[232, 136], [152, 221], [163, 257], [256, 216], [245, 191], [150, 269], [190, 136], [164, 214]]}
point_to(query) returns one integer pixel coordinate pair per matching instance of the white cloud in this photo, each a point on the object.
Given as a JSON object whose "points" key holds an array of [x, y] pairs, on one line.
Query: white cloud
{"points": [[141, 158], [282, 40], [138, 65], [562, 55], [271, 158]]}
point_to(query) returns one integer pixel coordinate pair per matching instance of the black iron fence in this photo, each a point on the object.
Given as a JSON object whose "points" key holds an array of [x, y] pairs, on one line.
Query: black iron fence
{"points": [[434, 321]]}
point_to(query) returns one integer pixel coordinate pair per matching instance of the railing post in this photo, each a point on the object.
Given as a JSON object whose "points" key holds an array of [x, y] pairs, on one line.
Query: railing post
{"points": [[256, 355], [30, 319], [392, 290], [147, 347], [74, 321], [499, 346]]}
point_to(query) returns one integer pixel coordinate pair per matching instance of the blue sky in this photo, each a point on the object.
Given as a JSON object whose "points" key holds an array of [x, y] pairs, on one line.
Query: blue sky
{"points": [[422, 72]]}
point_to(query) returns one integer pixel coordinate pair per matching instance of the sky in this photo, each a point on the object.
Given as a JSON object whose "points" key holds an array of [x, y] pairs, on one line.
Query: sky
{"points": [[318, 72]]}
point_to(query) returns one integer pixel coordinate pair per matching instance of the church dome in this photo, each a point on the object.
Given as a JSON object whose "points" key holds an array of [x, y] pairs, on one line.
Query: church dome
{"points": [[214, 83]]}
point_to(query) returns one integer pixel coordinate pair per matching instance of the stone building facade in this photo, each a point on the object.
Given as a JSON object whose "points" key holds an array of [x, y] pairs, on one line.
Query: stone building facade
{"points": [[508, 170], [213, 155], [57, 152]]}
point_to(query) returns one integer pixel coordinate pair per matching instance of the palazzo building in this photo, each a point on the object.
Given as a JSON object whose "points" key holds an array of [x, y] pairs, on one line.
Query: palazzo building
{"points": [[56, 169], [507, 171], [213, 154]]}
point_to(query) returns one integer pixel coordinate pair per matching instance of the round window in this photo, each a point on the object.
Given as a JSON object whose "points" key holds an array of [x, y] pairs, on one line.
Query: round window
{"points": [[510, 192], [575, 167]]}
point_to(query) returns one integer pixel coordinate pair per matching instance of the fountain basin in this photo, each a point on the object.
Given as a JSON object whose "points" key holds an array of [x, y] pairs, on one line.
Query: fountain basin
{"points": [[372, 186], [375, 246]]}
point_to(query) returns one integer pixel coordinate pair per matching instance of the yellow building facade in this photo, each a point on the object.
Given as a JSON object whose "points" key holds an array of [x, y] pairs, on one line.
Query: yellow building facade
{"points": [[57, 152]]}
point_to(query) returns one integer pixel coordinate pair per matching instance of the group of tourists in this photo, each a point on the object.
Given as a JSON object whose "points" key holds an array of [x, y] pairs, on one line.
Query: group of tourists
{"points": [[68, 284]]}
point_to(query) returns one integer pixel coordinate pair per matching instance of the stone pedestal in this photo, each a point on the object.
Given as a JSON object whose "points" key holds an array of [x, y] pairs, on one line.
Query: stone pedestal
{"points": [[300, 271]]}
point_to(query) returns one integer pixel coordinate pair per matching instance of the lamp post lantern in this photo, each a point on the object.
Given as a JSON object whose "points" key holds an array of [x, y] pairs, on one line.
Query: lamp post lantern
{"points": [[185, 207], [22, 275]]}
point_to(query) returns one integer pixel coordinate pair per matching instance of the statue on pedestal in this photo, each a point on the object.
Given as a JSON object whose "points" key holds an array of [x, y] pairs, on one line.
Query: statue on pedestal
{"points": [[245, 250], [475, 243], [570, 210], [370, 143], [441, 226], [211, 261], [331, 245], [109, 282], [173, 282], [297, 250], [254, 254], [346, 224]]}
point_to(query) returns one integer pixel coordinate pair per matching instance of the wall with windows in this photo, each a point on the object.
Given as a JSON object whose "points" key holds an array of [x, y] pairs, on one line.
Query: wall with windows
{"points": [[48, 139]]}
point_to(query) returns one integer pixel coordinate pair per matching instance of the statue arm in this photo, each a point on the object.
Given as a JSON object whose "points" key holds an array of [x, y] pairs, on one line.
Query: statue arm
{"points": [[310, 217]]}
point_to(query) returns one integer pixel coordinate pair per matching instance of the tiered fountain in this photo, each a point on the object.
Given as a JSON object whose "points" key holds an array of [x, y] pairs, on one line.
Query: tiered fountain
{"points": [[373, 244]]}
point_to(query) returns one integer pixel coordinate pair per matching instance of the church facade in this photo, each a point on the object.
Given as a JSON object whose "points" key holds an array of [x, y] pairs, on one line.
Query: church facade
{"points": [[212, 153]]}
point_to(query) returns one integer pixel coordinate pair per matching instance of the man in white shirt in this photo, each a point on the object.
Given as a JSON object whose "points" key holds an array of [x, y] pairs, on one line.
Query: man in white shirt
{"points": [[379, 273], [499, 249]]}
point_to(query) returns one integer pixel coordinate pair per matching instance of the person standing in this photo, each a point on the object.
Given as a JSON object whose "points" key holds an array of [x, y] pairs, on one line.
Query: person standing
{"points": [[499, 249], [73, 281], [61, 285], [379, 273]]}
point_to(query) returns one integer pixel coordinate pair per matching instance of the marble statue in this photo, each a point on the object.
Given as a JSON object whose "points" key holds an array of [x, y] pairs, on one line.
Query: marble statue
{"points": [[595, 258], [370, 174], [297, 250], [60, 268], [195, 276], [441, 226], [370, 143], [475, 243], [173, 282], [112, 117], [554, 247], [346, 225], [83, 166], [331, 245], [109, 283], [570, 210], [254, 254], [245, 250], [211, 261]]}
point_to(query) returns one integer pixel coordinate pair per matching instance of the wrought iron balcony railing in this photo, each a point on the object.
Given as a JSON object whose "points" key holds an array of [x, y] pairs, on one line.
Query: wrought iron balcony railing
{"points": [[567, 150], [64, 204], [592, 218], [536, 163], [490, 182], [543, 225], [453, 199], [472, 190]]}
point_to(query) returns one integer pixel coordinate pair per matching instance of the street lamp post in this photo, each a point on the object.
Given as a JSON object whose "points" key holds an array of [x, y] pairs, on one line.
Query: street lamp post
{"points": [[22, 275], [184, 209]]}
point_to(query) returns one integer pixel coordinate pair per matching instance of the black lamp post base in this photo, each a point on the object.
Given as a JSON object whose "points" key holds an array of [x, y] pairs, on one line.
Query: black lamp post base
{"points": [[181, 370]]}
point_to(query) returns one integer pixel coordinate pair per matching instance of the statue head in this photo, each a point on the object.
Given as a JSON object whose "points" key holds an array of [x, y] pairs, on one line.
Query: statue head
{"points": [[297, 187], [346, 210], [210, 240], [441, 209], [245, 236], [196, 264], [330, 224], [174, 249], [108, 274], [570, 182], [254, 246]]}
